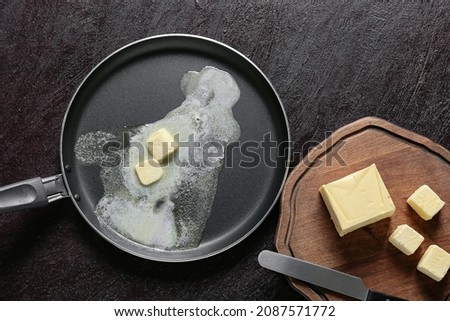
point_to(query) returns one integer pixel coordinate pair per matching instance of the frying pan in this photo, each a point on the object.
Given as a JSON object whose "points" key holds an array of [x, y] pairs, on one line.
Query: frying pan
{"points": [[139, 84]]}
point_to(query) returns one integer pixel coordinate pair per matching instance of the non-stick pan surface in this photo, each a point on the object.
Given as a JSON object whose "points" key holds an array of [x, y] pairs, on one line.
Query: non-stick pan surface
{"points": [[140, 84]]}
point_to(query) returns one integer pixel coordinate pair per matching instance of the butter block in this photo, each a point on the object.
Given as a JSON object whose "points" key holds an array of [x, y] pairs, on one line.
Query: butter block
{"points": [[357, 200], [434, 263], [425, 202], [406, 239], [161, 144], [148, 172]]}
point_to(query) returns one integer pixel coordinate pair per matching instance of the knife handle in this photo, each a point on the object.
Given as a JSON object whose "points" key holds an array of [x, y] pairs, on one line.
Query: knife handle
{"points": [[378, 296]]}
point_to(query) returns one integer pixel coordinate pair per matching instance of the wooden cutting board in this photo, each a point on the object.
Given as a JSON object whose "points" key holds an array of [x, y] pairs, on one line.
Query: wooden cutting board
{"points": [[405, 161]]}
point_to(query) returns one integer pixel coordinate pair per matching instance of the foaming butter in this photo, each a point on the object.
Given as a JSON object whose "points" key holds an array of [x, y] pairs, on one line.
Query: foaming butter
{"points": [[357, 200], [171, 212]]}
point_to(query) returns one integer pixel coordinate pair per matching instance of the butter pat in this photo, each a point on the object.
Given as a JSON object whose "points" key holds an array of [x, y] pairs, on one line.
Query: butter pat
{"points": [[357, 200], [434, 263], [161, 144], [148, 172], [406, 239], [425, 202]]}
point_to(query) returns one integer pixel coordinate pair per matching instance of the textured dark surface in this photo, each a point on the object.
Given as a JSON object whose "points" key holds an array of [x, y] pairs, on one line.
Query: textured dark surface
{"points": [[331, 63]]}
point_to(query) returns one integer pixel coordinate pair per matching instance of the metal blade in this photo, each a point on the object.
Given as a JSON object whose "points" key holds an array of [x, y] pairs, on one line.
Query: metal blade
{"points": [[315, 274]]}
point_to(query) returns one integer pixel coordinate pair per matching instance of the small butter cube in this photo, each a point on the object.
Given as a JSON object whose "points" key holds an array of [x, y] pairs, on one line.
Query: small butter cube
{"points": [[357, 200], [161, 144], [148, 171], [425, 202], [406, 239], [435, 262]]}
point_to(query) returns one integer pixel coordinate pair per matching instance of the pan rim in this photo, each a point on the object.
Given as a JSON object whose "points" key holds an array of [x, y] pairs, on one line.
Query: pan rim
{"points": [[196, 257]]}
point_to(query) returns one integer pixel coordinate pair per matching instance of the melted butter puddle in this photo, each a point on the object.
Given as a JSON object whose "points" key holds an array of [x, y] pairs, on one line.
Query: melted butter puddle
{"points": [[170, 214]]}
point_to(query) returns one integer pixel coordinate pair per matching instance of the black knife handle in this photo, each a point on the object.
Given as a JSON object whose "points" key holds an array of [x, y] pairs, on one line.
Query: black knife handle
{"points": [[378, 296]]}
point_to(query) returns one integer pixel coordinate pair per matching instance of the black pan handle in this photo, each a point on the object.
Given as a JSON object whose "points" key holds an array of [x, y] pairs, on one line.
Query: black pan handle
{"points": [[31, 193], [378, 296]]}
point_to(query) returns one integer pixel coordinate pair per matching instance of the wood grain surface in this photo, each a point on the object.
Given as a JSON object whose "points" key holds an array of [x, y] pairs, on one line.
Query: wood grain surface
{"points": [[331, 63], [405, 161]]}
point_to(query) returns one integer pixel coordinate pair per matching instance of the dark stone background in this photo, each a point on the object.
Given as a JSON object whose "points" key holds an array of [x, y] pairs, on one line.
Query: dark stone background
{"points": [[331, 63]]}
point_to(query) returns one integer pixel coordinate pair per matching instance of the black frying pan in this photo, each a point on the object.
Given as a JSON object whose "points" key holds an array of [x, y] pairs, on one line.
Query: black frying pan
{"points": [[139, 84]]}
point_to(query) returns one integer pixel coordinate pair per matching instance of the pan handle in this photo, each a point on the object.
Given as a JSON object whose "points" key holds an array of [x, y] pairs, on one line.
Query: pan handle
{"points": [[31, 193]]}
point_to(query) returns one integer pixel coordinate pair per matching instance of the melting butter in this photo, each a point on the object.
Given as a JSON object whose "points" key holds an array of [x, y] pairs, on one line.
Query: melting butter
{"points": [[171, 213]]}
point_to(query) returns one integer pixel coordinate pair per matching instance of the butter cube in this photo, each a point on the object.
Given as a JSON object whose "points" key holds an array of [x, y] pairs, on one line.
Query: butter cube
{"points": [[161, 144], [434, 263], [425, 202], [148, 172], [406, 239], [357, 200]]}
